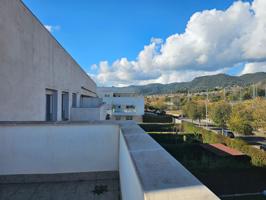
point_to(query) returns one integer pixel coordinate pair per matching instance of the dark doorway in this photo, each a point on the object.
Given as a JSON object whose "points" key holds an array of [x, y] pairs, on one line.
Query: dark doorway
{"points": [[51, 105], [65, 106]]}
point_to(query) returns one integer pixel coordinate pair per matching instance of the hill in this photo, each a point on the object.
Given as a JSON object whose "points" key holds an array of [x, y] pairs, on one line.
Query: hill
{"points": [[202, 83]]}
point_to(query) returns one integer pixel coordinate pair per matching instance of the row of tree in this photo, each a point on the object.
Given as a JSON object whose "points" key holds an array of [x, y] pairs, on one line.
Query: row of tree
{"points": [[242, 117]]}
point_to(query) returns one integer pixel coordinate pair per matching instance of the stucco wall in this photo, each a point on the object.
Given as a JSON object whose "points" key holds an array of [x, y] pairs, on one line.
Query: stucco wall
{"points": [[138, 102], [130, 185], [87, 114], [31, 60], [35, 149]]}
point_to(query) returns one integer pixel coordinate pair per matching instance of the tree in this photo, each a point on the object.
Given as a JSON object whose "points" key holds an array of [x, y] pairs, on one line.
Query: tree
{"points": [[241, 119], [258, 107], [220, 113], [246, 95], [194, 110]]}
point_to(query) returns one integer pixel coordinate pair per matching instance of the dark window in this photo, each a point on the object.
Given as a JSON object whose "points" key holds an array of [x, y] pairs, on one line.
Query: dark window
{"points": [[65, 106], [129, 117], [74, 100], [51, 105]]}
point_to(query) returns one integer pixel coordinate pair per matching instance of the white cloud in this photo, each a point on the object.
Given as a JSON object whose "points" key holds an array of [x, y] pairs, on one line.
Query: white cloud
{"points": [[94, 67], [51, 28], [213, 41], [254, 67]]}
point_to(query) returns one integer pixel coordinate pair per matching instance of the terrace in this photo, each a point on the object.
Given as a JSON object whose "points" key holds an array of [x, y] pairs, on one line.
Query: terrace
{"points": [[89, 160]]}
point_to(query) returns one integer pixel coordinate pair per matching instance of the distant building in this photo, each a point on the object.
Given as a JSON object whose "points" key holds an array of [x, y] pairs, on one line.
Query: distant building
{"points": [[122, 103]]}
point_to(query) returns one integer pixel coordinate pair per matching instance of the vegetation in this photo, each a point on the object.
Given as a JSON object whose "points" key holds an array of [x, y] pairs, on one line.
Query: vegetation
{"points": [[153, 118], [164, 127], [220, 113], [240, 119], [258, 107], [248, 197], [194, 110], [223, 175], [258, 157]]}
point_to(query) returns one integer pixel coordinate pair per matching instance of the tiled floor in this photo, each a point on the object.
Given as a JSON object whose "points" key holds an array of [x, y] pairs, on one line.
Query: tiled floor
{"points": [[105, 189]]}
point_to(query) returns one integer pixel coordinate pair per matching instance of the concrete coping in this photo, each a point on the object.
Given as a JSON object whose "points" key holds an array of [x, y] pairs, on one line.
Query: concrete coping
{"points": [[159, 174]]}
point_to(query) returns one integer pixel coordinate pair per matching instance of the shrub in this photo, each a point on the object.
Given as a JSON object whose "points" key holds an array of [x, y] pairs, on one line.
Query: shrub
{"points": [[152, 118], [258, 157]]}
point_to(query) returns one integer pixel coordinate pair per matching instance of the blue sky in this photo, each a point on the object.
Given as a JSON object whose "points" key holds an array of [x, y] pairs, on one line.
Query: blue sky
{"points": [[106, 30]]}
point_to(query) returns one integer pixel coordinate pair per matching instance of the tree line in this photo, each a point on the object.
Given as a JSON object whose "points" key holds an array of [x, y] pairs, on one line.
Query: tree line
{"points": [[241, 117]]}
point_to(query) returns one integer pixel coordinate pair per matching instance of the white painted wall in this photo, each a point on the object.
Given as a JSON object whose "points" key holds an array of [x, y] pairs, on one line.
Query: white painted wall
{"points": [[88, 102], [31, 60], [138, 102], [130, 186], [87, 114], [31, 149]]}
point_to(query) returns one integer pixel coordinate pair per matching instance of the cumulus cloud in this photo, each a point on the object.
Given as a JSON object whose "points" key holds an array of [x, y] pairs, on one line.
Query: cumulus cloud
{"points": [[213, 42], [254, 67], [51, 28]]}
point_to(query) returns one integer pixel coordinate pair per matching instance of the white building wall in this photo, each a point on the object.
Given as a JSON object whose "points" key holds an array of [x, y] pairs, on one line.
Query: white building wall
{"points": [[131, 187], [114, 96], [138, 102], [38, 149], [88, 114], [31, 60]]}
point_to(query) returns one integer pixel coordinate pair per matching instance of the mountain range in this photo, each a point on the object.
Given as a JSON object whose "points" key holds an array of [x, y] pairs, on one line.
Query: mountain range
{"points": [[202, 83]]}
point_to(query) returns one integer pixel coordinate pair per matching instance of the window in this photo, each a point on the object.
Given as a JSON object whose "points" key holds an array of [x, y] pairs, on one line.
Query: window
{"points": [[129, 118], [74, 100], [65, 106], [117, 118], [130, 107]]}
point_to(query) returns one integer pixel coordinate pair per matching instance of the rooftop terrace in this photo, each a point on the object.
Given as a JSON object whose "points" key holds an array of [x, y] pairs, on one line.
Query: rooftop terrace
{"points": [[72, 152]]}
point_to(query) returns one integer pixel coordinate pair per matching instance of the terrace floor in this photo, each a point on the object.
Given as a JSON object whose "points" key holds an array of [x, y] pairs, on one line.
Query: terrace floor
{"points": [[78, 186]]}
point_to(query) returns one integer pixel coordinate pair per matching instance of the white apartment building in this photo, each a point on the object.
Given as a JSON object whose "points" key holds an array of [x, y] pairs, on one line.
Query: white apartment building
{"points": [[122, 103]]}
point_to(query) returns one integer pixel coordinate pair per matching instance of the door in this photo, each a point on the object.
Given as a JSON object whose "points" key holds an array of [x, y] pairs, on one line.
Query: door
{"points": [[65, 106], [49, 107]]}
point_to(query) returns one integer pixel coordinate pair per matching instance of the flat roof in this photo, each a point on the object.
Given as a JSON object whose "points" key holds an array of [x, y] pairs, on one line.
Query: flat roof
{"points": [[116, 89], [222, 150]]}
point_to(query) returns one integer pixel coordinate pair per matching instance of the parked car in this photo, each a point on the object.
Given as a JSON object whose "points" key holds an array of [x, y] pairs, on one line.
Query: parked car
{"points": [[263, 147], [228, 133]]}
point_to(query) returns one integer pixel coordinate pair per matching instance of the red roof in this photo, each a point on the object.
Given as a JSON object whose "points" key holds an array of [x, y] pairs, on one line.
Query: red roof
{"points": [[227, 149]]}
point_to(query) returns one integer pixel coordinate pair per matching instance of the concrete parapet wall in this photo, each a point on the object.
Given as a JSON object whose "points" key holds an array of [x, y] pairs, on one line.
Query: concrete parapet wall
{"points": [[146, 170], [87, 114], [151, 173], [48, 149]]}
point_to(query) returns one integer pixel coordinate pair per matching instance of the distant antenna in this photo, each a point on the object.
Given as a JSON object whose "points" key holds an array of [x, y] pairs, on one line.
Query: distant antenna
{"points": [[206, 108], [254, 92], [240, 95]]}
